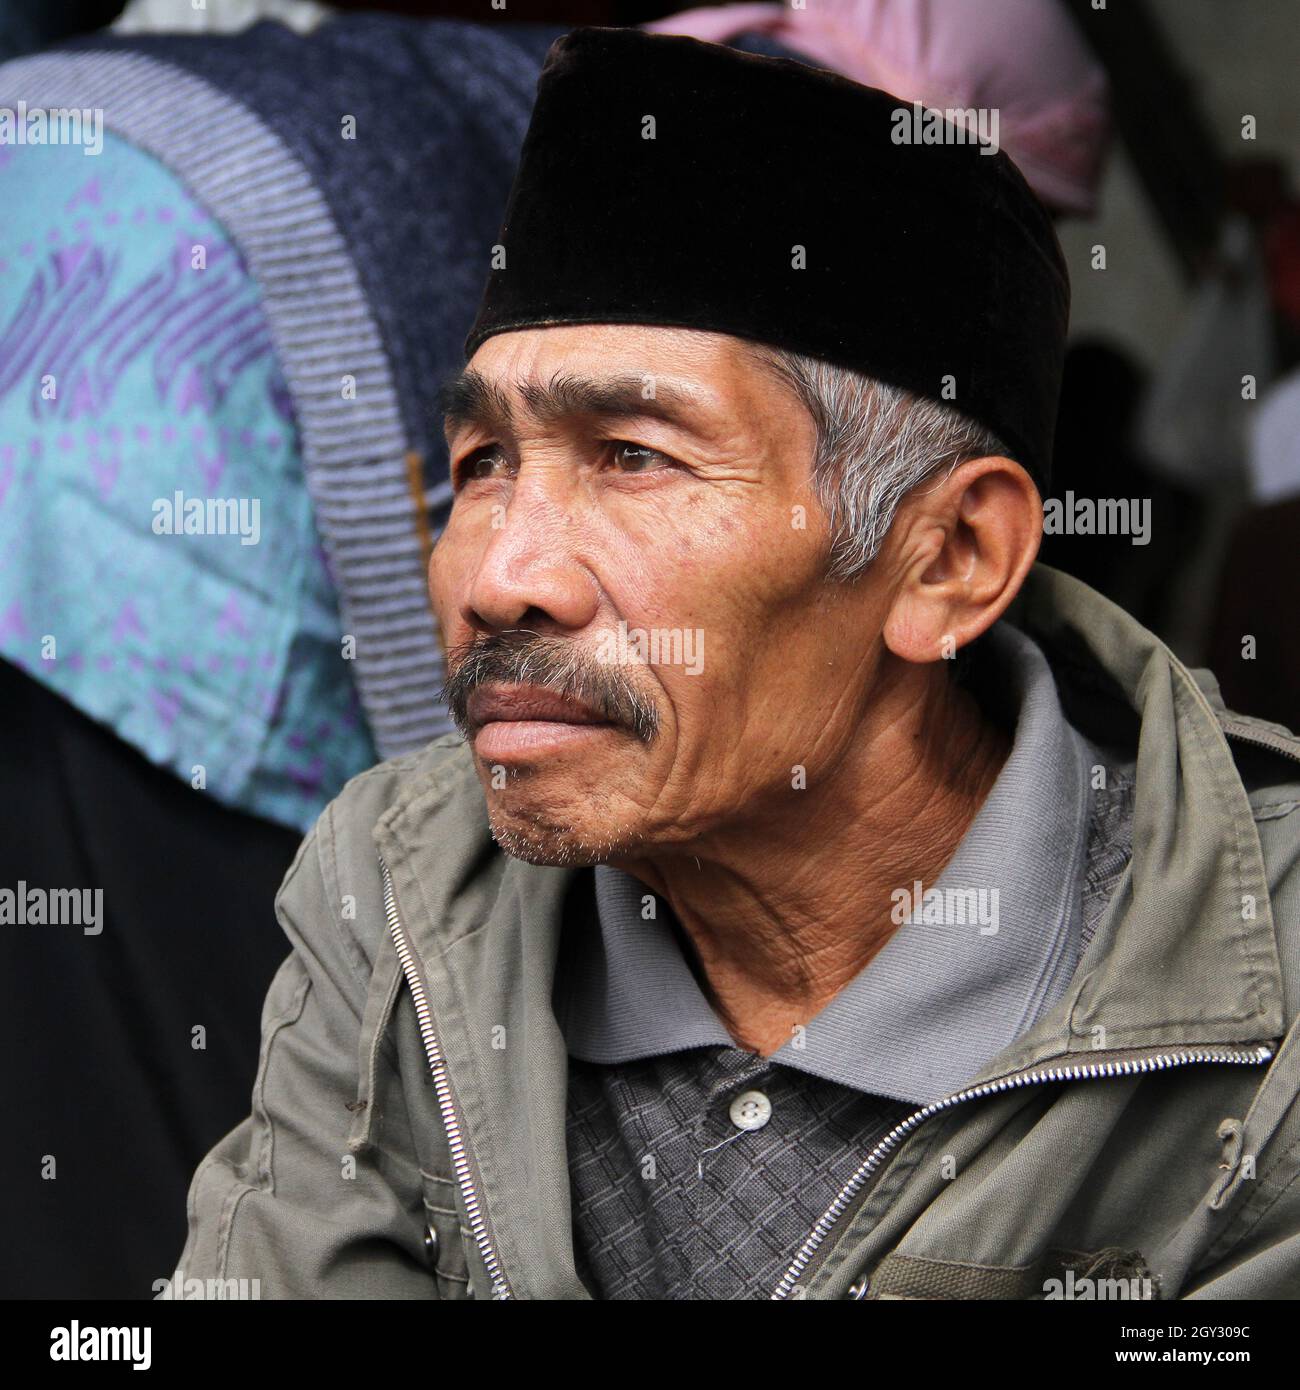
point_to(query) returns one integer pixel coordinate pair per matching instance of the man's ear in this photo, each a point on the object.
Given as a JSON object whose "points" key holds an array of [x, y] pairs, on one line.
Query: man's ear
{"points": [[964, 547]]}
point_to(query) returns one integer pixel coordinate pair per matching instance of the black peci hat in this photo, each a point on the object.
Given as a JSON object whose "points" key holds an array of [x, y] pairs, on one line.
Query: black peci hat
{"points": [[665, 180]]}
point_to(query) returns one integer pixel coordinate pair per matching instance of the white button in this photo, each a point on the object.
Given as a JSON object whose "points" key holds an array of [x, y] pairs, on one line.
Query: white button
{"points": [[751, 1110]]}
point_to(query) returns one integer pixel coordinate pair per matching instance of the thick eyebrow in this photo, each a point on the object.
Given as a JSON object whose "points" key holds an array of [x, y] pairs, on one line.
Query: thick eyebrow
{"points": [[469, 398]]}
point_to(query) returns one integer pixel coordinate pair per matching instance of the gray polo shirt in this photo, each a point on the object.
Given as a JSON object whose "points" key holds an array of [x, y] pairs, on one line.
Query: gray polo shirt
{"points": [[697, 1168]]}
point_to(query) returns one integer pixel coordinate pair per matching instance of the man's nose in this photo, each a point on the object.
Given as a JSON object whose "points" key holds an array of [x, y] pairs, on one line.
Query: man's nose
{"points": [[529, 570]]}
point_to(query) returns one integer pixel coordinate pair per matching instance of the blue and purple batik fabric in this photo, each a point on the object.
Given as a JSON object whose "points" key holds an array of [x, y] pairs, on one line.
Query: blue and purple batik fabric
{"points": [[362, 259], [136, 363]]}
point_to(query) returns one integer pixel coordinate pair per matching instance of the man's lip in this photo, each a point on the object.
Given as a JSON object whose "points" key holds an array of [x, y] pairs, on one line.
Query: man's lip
{"points": [[488, 704]]}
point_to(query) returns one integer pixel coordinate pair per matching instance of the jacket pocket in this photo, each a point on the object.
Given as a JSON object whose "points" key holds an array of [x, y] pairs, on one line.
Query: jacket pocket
{"points": [[1059, 1274], [445, 1237]]}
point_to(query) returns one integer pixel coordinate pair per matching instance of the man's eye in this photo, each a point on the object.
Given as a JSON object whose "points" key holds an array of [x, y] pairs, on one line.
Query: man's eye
{"points": [[482, 463], [637, 458]]}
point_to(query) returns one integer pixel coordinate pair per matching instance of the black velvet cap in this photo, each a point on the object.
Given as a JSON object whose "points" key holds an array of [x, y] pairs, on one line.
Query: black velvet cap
{"points": [[929, 266]]}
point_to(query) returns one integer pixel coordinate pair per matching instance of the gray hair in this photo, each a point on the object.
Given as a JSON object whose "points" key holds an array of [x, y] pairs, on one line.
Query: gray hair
{"points": [[875, 443]]}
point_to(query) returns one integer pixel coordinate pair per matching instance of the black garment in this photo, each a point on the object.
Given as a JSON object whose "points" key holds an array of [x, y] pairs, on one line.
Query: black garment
{"points": [[96, 1031]]}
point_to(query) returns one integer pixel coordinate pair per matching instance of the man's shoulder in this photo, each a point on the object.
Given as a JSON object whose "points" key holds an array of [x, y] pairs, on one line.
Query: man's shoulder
{"points": [[440, 771], [336, 876]]}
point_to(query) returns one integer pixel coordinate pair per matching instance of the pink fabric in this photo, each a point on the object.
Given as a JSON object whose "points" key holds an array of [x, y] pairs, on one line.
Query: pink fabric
{"points": [[1024, 57]]}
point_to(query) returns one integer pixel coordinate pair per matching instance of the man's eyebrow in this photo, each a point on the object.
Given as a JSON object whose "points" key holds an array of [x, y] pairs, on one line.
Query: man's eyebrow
{"points": [[471, 399]]}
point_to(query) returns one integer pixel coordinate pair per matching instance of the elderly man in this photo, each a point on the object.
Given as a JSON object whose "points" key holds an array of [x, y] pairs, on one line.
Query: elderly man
{"points": [[822, 901]]}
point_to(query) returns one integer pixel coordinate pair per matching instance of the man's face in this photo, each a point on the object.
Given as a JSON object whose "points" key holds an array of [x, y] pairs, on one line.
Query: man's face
{"points": [[634, 525]]}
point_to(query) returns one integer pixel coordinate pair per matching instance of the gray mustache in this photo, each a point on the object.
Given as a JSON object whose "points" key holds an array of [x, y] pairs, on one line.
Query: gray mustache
{"points": [[557, 664]]}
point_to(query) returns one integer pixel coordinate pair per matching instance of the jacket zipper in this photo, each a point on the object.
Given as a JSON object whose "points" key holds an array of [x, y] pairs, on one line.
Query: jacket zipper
{"points": [[1260, 738], [446, 1104], [871, 1163]]}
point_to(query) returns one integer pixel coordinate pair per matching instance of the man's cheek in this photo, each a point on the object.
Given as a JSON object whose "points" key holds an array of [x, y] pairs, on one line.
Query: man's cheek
{"points": [[453, 562]]}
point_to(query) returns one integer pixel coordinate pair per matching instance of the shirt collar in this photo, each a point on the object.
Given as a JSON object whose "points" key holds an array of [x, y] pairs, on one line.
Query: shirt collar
{"points": [[941, 998]]}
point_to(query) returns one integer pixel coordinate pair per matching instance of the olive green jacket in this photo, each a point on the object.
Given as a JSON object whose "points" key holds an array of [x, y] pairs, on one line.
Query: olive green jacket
{"points": [[407, 1134]]}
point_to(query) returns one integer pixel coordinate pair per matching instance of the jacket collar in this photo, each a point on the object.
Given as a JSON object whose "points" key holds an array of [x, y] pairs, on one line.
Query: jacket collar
{"points": [[1186, 952]]}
